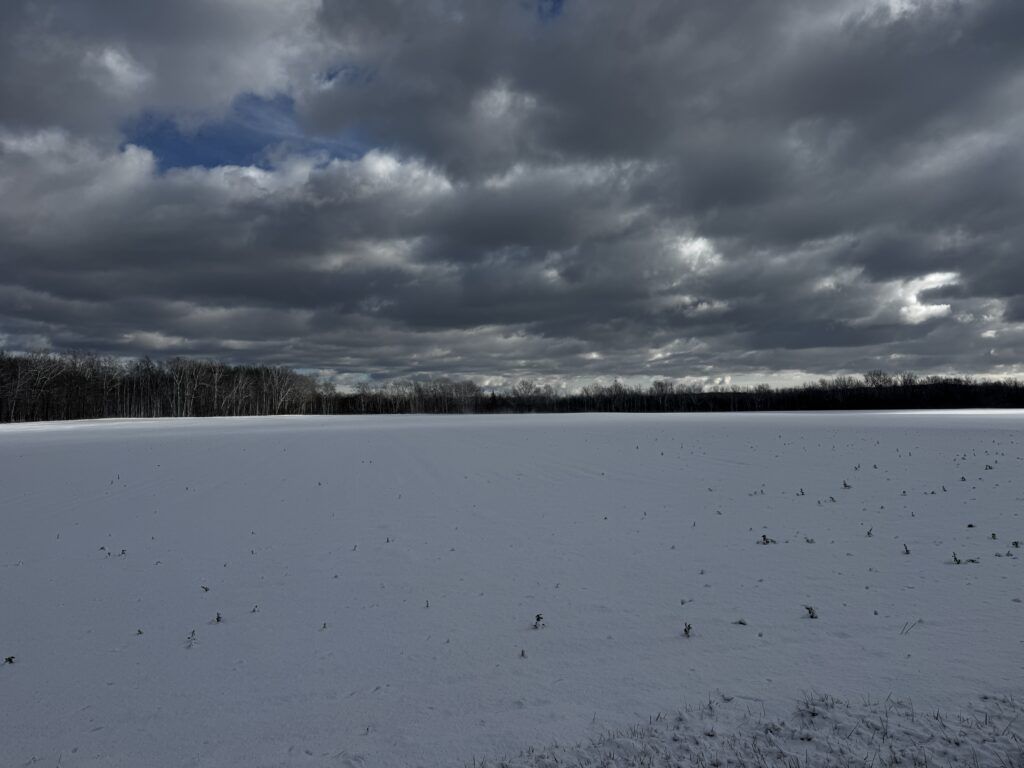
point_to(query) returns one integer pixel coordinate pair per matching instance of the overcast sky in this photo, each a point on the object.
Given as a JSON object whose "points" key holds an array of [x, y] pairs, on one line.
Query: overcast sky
{"points": [[564, 189]]}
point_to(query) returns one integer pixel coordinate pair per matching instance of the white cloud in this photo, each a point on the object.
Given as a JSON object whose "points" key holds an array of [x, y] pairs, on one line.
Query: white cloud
{"points": [[499, 104], [57, 186], [838, 280], [697, 254], [154, 340], [912, 310], [378, 173], [116, 71]]}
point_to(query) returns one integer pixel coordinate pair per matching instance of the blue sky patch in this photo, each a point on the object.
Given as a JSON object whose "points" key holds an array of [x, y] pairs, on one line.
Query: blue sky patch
{"points": [[550, 9], [253, 127]]}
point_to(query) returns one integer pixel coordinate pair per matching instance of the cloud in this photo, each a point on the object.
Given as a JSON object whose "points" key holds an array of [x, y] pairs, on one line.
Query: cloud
{"points": [[86, 65], [565, 190]]}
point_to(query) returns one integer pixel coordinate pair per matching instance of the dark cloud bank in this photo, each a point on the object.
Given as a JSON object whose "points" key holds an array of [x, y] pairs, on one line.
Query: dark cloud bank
{"points": [[761, 190]]}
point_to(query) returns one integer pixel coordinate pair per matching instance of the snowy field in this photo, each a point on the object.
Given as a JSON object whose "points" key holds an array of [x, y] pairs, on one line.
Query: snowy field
{"points": [[363, 591]]}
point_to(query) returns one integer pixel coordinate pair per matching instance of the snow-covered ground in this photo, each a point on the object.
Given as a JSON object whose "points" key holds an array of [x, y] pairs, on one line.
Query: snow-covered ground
{"points": [[378, 580]]}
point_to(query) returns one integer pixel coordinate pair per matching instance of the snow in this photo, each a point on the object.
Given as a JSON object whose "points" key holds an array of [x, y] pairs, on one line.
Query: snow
{"points": [[398, 564]]}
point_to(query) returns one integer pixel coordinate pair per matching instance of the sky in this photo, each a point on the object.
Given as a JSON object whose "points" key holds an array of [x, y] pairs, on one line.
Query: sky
{"points": [[562, 190]]}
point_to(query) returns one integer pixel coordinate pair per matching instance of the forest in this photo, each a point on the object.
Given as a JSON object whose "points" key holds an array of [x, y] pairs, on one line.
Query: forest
{"points": [[64, 386]]}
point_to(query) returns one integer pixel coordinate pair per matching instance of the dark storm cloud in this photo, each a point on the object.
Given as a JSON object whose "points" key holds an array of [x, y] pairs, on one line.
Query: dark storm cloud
{"points": [[567, 190], [87, 65]]}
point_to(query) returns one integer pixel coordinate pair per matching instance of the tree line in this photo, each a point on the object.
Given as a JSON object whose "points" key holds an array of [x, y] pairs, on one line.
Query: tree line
{"points": [[45, 386]]}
